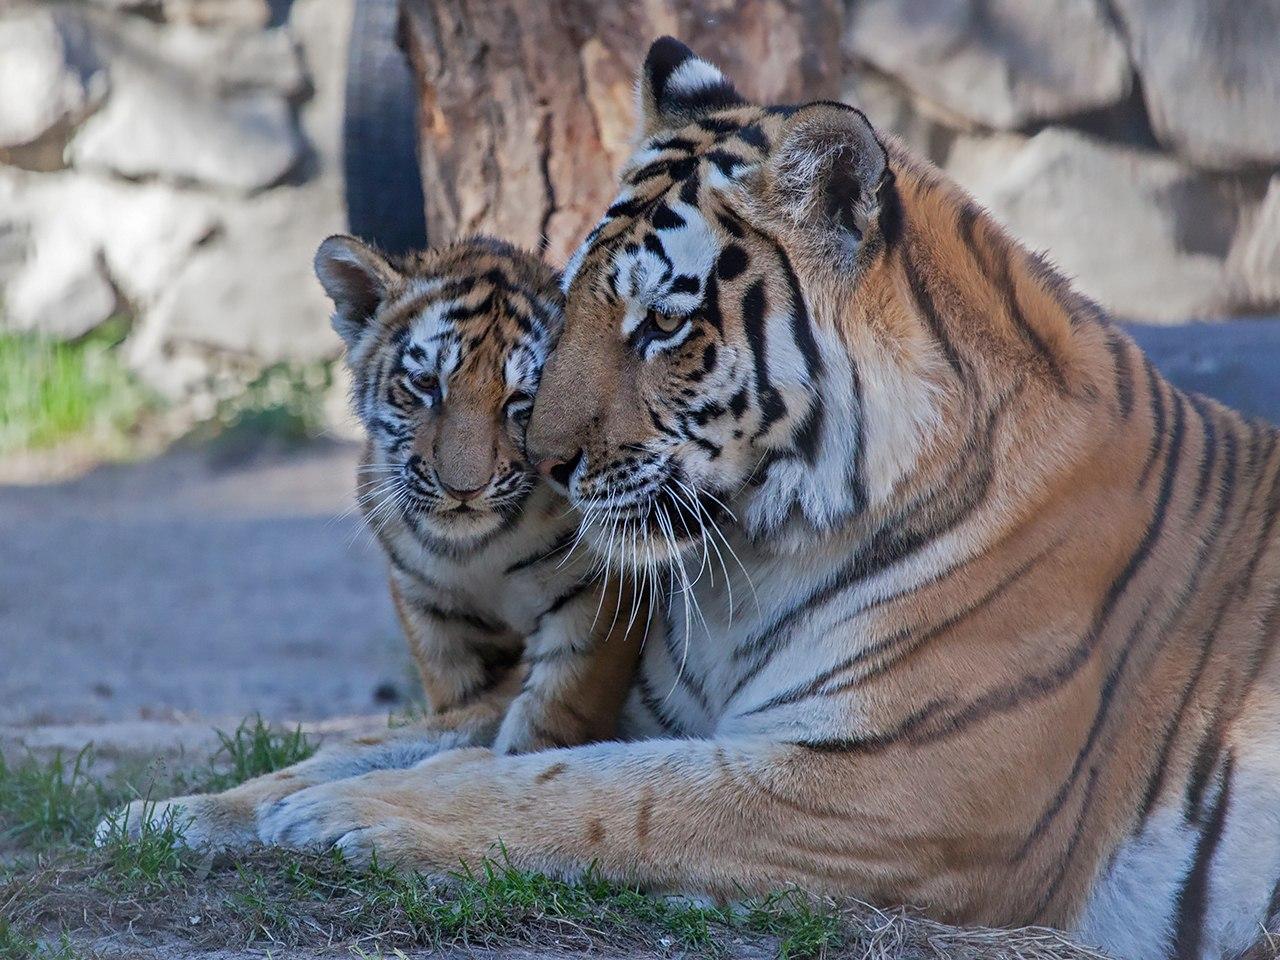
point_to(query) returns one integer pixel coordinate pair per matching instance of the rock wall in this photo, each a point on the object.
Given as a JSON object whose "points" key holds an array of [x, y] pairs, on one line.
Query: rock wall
{"points": [[178, 160], [1134, 140]]}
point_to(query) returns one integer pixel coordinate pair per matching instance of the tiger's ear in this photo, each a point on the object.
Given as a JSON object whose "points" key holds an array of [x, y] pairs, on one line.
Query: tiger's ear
{"points": [[825, 175], [357, 279], [676, 86]]}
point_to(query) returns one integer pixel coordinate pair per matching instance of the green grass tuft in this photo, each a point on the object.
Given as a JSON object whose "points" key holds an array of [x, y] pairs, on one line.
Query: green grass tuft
{"points": [[48, 802], [153, 861], [57, 801], [16, 945], [802, 928], [52, 391], [251, 750]]}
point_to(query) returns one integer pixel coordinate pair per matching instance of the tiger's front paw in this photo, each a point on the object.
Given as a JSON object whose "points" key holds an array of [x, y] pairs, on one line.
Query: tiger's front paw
{"points": [[394, 815], [320, 817], [178, 819]]}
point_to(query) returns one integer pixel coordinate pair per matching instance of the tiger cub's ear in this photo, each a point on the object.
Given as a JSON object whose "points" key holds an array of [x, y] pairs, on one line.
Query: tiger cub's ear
{"points": [[357, 279], [676, 86], [824, 176]]}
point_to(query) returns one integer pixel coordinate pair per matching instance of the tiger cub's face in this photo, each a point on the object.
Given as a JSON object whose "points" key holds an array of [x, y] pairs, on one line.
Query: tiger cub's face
{"points": [[691, 377], [446, 348]]}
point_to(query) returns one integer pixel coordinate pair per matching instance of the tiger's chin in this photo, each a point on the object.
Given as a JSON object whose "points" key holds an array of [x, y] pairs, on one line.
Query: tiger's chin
{"points": [[457, 531], [659, 532], [637, 549]]}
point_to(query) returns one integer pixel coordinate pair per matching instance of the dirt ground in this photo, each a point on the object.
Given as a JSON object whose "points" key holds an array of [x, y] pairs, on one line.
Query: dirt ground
{"points": [[142, 605], [206, 584]]}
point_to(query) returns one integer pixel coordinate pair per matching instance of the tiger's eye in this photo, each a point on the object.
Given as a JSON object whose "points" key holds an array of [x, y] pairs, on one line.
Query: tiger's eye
{"points": [[666, 322]]}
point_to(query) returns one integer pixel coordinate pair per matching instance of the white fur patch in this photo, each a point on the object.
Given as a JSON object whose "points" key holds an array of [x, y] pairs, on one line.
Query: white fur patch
{"points": [[691, 76]]}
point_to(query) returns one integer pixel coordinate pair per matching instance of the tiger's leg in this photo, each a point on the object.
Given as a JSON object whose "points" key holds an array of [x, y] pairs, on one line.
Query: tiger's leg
{"points": [[580, 662], [228, 819], [728, 818]]}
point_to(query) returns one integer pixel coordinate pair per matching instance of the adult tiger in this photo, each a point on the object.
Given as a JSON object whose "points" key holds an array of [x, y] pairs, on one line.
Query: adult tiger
{"points": [[1010, 653]]}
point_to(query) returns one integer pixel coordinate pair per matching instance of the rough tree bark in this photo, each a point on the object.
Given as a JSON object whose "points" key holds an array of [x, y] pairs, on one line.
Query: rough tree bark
{"points": [[526, 107]]}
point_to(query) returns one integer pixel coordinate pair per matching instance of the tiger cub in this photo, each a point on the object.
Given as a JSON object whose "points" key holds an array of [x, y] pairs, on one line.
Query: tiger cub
{"points": [[520, 642], [446, 348]]}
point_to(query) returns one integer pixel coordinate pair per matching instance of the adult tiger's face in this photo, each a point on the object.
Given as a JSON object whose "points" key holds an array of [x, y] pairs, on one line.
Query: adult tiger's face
{"points": [[445, 348], [692, 377]]}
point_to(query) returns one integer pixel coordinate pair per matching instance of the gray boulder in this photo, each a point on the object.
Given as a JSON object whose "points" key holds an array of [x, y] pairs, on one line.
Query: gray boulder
{"points": [[209, 107], [1144, 234], [83, 238], [248, 292], [50, 78], [999, 64], [1210, 76], [1254, 260]]}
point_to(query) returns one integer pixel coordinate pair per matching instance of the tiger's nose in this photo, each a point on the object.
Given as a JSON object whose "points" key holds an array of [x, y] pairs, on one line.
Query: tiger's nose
{"points": [[560, 471], [462, 495]]}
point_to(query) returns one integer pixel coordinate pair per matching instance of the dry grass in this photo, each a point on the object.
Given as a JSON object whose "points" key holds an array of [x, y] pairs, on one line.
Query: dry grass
{"points": [[59, 895], [283, 901]]}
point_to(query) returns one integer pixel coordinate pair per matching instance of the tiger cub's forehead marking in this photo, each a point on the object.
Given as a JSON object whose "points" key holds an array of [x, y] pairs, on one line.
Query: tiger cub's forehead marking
{"points": [[476, 325]]}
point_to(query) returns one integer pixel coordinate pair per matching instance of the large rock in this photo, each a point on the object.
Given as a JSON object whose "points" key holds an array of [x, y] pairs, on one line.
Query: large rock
{"points": [[995, 63], [1254, 260], [249, 291], [189, 106], [50, 78], [1210, 76], [226, 60], [205, 13], [84, 238], [1145, 235]]}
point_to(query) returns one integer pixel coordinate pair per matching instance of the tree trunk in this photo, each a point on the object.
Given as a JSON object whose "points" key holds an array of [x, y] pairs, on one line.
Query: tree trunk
{"points": [[526, 108]]}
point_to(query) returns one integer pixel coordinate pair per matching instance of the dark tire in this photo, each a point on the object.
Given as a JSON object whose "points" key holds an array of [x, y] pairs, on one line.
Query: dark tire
{"points": [[379, 134]]}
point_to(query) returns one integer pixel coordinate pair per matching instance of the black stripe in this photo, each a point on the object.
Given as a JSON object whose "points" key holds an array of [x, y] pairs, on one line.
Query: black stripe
{"points": [[1030, 335], [1208, 448], [1003, 281], [754, 306], [801, 328], [892, 649], [564, 599], [808, 435], [559, 545], [467, 617], [858, 494], [679, 662], [1155, 390], [924, 303], [1120, 350], [942, 718], [655, 706], [1193, 899]]}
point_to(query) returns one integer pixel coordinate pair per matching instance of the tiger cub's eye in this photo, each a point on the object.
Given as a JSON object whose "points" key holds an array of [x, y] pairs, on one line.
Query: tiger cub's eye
{"points": [[518, 408], [426, 384]]}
